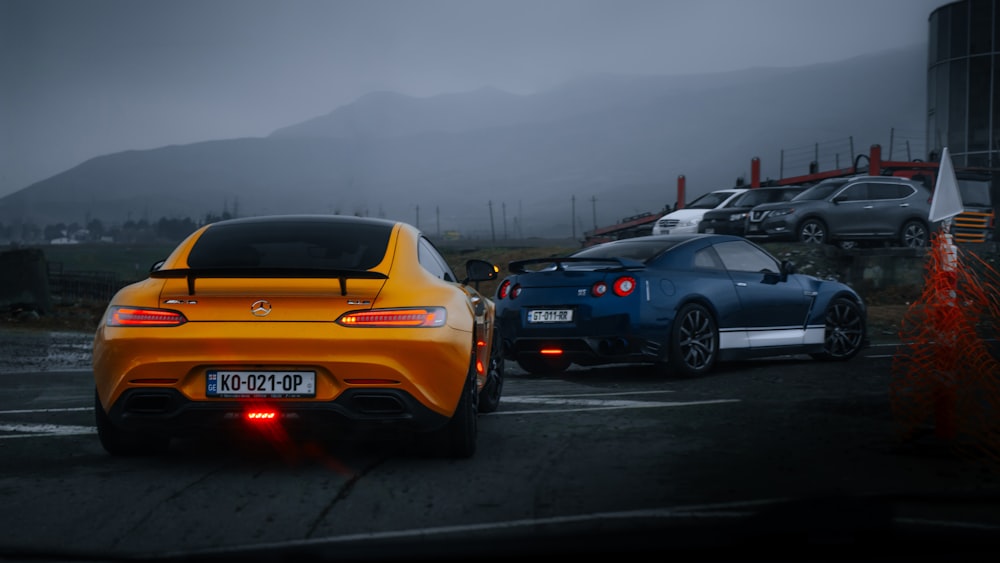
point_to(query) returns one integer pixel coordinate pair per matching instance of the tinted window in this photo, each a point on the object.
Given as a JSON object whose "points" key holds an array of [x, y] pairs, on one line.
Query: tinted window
{"points": [[821, 190], [758, 196], [291, 244], [433, 262], [889, 191], [710, 200], [854, 192], [740, 256], [641, 250], [707, 258], [786, 195], [752, 198]]}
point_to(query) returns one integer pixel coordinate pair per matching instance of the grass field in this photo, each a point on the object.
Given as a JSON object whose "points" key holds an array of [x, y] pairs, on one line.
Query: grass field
{"points": [[132, 262], [127, 261]]}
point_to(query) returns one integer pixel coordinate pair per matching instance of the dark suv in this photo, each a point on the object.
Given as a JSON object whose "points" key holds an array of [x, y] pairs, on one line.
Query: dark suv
{"points": [[732, 219], [848, 211]]}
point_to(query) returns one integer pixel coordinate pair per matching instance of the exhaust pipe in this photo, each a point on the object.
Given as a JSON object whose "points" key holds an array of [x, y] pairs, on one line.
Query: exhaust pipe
{"points": [[613, 346]]}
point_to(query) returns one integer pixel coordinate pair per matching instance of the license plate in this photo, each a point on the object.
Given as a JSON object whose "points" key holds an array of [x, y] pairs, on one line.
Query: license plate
{"points": [[550, 316], [754, 228], [268, 384], [709, 230]]}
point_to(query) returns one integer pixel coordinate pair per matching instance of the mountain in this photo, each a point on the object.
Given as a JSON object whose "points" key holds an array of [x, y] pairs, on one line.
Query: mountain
{"points": [[489, 162]]}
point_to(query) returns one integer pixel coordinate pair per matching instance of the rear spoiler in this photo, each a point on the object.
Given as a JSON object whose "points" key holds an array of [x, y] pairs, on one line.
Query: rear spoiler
{"points": [[194, 273], [607, 264]]}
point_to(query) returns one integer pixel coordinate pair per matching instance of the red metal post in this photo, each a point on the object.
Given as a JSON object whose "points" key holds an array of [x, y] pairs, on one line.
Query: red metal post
{"points": [[875, 161], [680, 193], [755, 172]]}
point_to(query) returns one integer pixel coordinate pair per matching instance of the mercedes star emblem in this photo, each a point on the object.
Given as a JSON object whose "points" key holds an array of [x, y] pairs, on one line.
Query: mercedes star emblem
{"points": [[260, 308]]}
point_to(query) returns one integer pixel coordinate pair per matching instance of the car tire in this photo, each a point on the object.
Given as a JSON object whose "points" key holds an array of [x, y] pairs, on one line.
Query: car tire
{"points": [[457, 439], [844, 335], [914, 234], [694, 341], [539, 366], [812, 231], [489, 397], [119, 442]]}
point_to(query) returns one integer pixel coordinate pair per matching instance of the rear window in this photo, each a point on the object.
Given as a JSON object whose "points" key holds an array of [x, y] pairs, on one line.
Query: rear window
{"points": [[639, 249], [764, 195], [710, 200], [314, 244]]}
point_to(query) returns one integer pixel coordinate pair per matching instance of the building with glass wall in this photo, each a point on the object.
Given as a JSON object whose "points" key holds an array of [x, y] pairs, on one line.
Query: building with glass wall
{"points": [[963, 82]]}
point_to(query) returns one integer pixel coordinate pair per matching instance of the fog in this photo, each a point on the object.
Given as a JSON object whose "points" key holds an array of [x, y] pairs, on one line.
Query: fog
{"points": [[84, 78]]}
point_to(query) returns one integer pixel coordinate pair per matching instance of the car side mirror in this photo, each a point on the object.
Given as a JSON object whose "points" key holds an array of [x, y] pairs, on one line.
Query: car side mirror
{"points": [[787, 268], [479, 271]]}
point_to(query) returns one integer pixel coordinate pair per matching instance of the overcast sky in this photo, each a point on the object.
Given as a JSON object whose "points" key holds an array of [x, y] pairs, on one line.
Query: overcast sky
{"points": [[82, 78]]}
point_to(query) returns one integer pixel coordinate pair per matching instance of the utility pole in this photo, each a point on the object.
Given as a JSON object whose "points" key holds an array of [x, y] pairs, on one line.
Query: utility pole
{"points": [[493, 231], [520, 220], [503, 208], [572, 217]]}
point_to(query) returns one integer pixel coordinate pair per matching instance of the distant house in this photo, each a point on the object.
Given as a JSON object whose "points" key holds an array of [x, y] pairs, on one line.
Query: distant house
{"points": [[75, 237]]}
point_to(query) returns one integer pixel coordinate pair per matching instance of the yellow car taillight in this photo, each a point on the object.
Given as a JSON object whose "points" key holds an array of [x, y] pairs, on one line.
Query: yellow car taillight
{"points": [[132, 316], [391, 318]]}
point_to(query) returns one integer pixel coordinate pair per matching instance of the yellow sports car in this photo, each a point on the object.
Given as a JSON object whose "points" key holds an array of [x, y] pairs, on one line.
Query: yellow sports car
{"points": [[304, 324]]}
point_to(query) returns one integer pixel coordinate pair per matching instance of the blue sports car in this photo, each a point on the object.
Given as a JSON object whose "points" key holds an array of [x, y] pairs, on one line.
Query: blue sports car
{"points": [[684, 301]]}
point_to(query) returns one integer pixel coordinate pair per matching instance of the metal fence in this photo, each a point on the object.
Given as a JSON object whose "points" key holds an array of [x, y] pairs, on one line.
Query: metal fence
{"points": [[83, 285]]}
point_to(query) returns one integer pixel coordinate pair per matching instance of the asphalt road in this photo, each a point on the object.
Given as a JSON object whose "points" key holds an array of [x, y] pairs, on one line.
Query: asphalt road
{"points": [[594, 449]]}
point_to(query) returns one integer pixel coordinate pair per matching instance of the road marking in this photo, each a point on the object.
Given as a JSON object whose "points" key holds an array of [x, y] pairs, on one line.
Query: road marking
{"points": [[618, 393], [39, 430], [709, 511], [594, 405], [33, 411], [726, 510]]}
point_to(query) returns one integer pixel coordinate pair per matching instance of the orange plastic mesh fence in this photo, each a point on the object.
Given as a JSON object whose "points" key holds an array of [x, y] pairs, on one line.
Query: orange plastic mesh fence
{"points": [[945, 378]]}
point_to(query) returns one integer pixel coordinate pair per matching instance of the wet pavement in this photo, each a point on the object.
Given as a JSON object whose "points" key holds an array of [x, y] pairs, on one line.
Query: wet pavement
{"points": [[23, 350]]}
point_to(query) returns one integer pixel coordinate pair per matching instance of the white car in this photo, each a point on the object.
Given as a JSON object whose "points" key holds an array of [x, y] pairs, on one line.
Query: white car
{"points": [[686, 220]]}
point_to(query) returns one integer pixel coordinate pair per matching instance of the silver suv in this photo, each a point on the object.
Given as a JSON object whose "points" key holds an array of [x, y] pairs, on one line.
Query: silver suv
{"points": [[848, 211]]}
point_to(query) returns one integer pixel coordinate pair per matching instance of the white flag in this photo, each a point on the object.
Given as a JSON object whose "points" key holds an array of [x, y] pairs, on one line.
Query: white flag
{"points": [[947, 200]]}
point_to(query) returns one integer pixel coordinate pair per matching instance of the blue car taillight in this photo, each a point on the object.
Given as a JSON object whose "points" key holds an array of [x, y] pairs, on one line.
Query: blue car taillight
{"points": [[504, 290], [622, 287]]}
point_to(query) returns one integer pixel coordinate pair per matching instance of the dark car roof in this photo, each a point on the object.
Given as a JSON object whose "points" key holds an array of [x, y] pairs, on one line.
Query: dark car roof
{"points": [[716, 213], [839, 182]]}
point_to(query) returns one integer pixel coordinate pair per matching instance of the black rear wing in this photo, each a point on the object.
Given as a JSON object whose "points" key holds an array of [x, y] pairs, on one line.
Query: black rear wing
{"points": [[603, 264], [262, 273]]}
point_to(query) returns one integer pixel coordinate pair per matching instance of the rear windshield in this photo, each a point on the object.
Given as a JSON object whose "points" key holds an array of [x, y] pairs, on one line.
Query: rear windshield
{"points": [[710, 200], [764, 195], [292, 244], [640, 249]]}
